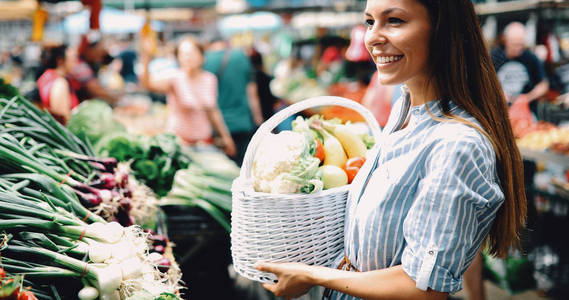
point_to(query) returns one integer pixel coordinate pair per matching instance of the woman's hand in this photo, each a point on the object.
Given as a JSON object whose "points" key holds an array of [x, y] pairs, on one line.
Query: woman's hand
{"points": [[294, 279], [229, 147]]}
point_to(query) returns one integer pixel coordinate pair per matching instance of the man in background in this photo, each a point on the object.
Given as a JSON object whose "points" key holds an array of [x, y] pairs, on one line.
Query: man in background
{"points": [[520, 72], [238, 98]]}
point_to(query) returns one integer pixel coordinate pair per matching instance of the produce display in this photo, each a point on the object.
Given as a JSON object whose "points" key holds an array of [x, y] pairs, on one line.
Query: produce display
{"points": [[296, 87], [32, 142], [7, 91], [179, 175], [153, 160], [92, 120], [43, 238], [546, 137], [205, 184], [141, 116], [11, 287], [317, 154], [56, 198]]}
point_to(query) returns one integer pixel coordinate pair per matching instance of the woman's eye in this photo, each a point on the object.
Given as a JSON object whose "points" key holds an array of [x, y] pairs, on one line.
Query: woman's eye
{"points": [[369, 22], [393, 20]]}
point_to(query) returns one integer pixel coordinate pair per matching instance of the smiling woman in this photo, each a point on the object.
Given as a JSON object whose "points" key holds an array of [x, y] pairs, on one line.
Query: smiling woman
{"points": [[398, 41], [448, 176]]}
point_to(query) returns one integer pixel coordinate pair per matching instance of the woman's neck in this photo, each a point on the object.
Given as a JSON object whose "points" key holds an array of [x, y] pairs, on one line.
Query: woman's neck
{"points": [[193, 73], [421, 94], [60, 71]]}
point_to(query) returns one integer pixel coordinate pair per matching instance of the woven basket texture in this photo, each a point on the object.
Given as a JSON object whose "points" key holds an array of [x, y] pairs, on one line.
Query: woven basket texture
{"points": [[306, 228]]}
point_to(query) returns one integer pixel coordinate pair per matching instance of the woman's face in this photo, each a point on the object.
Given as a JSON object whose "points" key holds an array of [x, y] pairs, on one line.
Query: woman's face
{"points": [[70, 60], [397, 37], [189, 56]]}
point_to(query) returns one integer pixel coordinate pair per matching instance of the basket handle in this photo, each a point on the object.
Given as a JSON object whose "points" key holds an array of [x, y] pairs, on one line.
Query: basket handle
{"points": [[268, 126]]}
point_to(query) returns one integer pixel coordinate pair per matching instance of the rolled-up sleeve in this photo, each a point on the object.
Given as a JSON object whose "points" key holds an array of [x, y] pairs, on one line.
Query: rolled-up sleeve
{"points": [[455, 205]]}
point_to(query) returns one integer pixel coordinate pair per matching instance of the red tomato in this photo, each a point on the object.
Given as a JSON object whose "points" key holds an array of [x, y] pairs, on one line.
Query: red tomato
{"points": [[353, 166], [351, 172], [2, 273], [319, 151], [14, 294], [355, 162], [27, 295]]}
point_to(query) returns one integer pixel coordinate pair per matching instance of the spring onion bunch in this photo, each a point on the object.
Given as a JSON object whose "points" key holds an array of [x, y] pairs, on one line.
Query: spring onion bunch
{"points": [[21, 118], [32, 141], [43, 238], [205, 184]]}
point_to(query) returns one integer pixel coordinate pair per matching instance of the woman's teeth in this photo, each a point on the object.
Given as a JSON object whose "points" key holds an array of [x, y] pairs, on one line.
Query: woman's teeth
{"points": [[388, 59]]}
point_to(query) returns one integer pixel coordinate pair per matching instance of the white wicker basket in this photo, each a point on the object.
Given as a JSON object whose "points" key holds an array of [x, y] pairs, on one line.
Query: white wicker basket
{"points": [[307, 228]]}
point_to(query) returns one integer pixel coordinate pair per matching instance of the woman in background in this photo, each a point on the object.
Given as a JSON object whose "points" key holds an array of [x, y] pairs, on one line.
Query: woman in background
{"points": [[191, 98], [55, 90]]}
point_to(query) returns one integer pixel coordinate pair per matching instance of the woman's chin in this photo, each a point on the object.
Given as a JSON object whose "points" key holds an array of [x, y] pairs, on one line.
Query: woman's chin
{"points": [[388, 80]]}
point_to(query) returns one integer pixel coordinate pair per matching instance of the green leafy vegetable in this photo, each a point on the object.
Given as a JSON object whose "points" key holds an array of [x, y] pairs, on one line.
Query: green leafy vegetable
{"points": [[94, 118], [7, 90]]}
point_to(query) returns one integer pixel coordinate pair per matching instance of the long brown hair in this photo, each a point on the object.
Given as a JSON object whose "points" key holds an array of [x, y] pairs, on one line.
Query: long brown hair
{"points": [[461, 70]]}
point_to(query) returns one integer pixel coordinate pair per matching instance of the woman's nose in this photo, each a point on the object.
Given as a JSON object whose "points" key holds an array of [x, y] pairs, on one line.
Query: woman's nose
{"points": [[375, 37]]}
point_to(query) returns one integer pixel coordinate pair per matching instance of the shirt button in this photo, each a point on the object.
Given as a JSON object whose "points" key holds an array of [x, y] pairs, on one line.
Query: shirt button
{"points": [[431, 252]]}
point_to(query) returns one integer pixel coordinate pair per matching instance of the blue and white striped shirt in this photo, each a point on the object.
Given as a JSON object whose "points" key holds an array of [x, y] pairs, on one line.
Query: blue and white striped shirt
{"points": [[429, 202]]}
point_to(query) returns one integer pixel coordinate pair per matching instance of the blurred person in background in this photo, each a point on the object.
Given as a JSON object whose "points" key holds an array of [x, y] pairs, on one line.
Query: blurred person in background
{"points": [[191, 97], [238, 98], [520, 72], [128, 58], [263, 80], [379, 99], [92, 55], [56, 93]]}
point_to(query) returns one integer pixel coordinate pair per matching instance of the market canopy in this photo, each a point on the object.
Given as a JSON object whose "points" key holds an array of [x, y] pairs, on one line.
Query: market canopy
{"points": [[150, 3], [258, 21], [159, 3], [112, 20]]}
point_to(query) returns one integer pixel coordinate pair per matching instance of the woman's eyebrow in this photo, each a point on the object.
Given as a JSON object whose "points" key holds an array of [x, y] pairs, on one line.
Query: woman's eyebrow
{"points": [[392, 9], [386, 12]]}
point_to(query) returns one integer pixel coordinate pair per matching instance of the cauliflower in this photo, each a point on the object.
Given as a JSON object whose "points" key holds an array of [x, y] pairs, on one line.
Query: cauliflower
{"points": [[283, 164]]}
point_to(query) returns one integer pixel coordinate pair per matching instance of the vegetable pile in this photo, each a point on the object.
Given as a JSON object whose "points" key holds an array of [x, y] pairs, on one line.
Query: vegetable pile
{"points": [[317, 154], [56, 197], [205, 184], [7, 90], [92, 120], [12, 287], [154, 160], [43, 238], [31, 141]]}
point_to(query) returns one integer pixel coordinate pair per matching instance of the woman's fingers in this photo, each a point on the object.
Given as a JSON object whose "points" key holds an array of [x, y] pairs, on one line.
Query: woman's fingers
{"points": [[266, 267], [271, 287]]}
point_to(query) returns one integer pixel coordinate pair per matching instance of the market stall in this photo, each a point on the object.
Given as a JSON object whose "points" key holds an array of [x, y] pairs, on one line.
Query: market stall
{"points": [[101, 173], [75, 224], [113, 167]]}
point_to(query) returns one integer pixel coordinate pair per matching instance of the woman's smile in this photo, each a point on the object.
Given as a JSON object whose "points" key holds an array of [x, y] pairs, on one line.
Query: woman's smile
{"points": [[387, 61]]}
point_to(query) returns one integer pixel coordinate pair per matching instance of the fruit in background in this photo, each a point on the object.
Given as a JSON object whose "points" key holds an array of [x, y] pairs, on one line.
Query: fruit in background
{"points": [[333, 176], [353, 166]]}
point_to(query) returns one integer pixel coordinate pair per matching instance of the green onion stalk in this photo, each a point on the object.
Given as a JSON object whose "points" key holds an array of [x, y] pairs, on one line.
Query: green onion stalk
{"points": [[18, 115]]}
